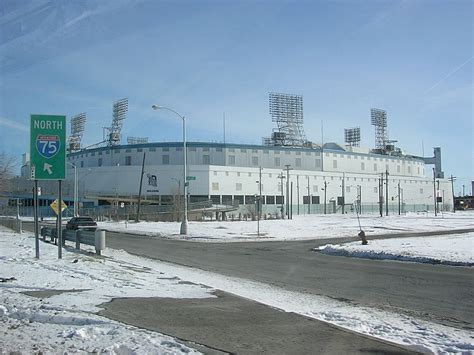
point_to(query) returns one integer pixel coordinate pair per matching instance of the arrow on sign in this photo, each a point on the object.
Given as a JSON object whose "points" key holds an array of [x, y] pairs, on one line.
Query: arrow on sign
{"points": [[47, 167]]}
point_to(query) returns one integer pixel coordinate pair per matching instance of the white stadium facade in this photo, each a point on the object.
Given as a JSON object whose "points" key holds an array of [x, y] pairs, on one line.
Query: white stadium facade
{"points": [[229, 174]]}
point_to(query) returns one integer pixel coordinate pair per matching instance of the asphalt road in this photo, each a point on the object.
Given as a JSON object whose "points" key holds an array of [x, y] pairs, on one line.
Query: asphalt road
{"points": [[438, 293], [443, 294]]}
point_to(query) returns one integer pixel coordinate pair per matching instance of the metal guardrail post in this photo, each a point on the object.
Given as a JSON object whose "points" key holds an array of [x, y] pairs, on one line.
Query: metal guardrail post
{"points": [[78, 240], [99, 241]]}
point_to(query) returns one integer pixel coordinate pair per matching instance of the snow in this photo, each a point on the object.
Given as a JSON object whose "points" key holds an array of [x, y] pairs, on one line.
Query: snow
{"points": [[68, 322], [299, 228], [453, 249]]}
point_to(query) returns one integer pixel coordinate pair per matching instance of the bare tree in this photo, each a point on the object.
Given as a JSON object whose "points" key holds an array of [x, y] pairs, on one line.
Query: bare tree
{"points": [[7, 164]]}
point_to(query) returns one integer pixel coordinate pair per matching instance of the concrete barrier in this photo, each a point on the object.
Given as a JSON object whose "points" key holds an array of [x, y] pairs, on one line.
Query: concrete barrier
{"points": [[11, 223]]}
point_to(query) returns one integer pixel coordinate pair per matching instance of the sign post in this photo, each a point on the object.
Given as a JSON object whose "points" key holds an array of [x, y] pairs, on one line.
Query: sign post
{"points": [[47, 159]]}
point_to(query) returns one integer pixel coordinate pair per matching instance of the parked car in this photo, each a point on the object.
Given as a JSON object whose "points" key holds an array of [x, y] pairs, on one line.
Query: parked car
{"points": [[85, 223]]}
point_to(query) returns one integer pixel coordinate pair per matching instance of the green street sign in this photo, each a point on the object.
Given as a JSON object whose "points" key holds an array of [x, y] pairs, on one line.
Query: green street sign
{"points": [[47, 147], [190, 178]]}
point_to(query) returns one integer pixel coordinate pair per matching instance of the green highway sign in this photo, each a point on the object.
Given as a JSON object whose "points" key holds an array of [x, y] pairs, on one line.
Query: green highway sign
{"points": [[48, 147], [190, 178]]}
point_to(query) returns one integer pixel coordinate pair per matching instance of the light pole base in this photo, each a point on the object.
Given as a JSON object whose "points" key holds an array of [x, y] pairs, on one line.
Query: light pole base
{"points": [[184, 228]]}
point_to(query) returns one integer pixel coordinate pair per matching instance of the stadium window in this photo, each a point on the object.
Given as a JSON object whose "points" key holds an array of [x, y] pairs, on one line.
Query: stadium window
{"points": [[315, 200], [266, 152], [107, 152], [276, 152], [215, 186], [192, 149], [254, 160], [308, 153], [215, 173], [375, 190], [298, 153], [100, 153], [152, 149], [375, 167], [254, 151], [128, 150], [128, 160], [219, 149], [348, 189], [238, 186], [179, 149], [250, 174], [287, 152], [115, 151], [362, 166], [166, 149], [165, 159], [139, 150], [226, 173], [334, 163], [398, 168], [99, 162], [315, 188], [231, 150], [318, 163], [243, 150], [82, 163], [206, 159], [205, 149], [231, 159]]}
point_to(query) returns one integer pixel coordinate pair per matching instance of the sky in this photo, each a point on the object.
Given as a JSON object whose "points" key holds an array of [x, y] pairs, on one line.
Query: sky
{"points": [[207, 59]]}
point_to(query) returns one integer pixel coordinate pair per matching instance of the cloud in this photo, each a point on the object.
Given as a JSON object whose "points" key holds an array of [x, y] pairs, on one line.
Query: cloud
{"points": [[14, 125]]}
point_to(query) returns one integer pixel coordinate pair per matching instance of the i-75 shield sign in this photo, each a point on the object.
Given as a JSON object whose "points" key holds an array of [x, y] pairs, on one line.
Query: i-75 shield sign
{"points": [[48, 147]]}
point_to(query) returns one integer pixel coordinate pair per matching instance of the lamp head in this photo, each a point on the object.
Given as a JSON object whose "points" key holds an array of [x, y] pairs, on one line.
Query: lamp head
{"points": [[156, 107]]}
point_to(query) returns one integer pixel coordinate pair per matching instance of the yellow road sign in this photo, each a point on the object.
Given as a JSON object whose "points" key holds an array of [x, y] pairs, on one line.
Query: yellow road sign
{"points": [[55, 206]]}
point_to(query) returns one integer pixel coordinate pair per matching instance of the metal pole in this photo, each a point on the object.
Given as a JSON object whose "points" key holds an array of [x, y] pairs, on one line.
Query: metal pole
{"points": [[381, 195], [297, 194], [137, 219], [386, 192], [325, 193], [434, 191], [59, 230], [437, 192], [35, 202], [452, 189], [343, 192], [399, 198], [403, 210], [309, 197], [184, 223], [291, 201], [287, 190], [260, 194], [76, 192], [281, 176], [360, 199]]}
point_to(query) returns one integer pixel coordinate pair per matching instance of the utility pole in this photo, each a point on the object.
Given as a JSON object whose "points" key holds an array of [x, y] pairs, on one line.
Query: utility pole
{"points": [[360, 199], [298, 194], [343, 202], [452, 179], [437, 193], [260, 193], [434, 191], [287, 166], [399, 198], [325, 190], [381, 195], [291, 200], [281, 177], [386, 192], [137, 219], [309, 197]]}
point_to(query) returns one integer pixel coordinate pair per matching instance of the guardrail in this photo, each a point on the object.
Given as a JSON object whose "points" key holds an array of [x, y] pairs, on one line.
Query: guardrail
{"points": [[94, 238]]}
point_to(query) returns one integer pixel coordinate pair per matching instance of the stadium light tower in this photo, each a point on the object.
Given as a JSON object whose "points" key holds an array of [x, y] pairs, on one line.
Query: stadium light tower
{"points": [[184, 223]]}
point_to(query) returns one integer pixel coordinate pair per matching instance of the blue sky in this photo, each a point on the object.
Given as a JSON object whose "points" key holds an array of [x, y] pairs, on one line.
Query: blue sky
{"points": [[203, 58]]}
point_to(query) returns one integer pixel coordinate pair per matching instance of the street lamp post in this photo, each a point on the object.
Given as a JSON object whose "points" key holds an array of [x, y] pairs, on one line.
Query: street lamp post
{"points": [[184, 223], [75, 188]]}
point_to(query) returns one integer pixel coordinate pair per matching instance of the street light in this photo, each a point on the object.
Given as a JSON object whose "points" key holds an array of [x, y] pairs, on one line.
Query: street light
{"points": [[75, 188], [184, 223]]}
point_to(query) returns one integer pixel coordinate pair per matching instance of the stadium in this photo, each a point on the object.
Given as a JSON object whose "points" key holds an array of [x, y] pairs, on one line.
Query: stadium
{"points": [[285, 174]]}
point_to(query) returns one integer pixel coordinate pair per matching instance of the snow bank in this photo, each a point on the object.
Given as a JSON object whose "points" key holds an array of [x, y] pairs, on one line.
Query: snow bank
{"points": [[454, 249]]}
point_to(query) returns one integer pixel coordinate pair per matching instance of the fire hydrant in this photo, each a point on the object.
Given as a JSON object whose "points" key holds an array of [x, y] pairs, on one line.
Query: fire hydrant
{"points": [[363, 238]]}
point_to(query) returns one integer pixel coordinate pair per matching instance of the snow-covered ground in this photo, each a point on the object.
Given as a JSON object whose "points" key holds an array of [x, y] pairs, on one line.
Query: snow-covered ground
{"points": [[300, 227], [67, 322], [453, 249]]}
